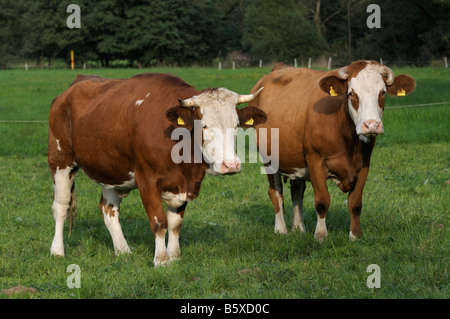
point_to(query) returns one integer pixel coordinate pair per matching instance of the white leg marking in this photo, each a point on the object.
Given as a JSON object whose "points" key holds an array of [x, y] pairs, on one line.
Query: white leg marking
{"points": [[297, 209], [321, 229], [110, 212], [174, 221], [352, 237], [63, 185], [280, 224], [161, 257], [297, 217]]}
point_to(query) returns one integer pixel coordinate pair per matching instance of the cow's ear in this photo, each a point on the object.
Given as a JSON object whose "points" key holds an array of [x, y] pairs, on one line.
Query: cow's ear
{"points": [[250, 116], [181, 117], [403, 84], [333, 86]]}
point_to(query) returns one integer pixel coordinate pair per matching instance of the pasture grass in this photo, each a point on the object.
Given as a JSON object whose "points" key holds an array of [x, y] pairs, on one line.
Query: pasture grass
{"points": [[228, 246]]}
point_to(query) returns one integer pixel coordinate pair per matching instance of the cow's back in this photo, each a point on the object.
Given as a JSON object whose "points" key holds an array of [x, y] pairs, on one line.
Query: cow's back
{"points": [[287, 94], [110, 120]]}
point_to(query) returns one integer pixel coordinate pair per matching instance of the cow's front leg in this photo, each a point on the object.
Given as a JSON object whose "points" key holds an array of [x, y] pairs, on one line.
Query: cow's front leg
{"points": [[175, 221], [318, 175], [151, 198], [355, 204]]}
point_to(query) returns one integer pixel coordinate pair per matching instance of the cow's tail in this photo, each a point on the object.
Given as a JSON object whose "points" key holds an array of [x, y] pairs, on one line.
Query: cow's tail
{"points": [[73, 208]]}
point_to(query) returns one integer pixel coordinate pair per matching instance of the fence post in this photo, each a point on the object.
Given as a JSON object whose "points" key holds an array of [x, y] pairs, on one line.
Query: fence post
{"points": [[329, 63], [260, 63], [295, 62], [445, 62], [234, 66], [72, 64], [309, 63], [381, 60], [220, 66], [26, 66]]}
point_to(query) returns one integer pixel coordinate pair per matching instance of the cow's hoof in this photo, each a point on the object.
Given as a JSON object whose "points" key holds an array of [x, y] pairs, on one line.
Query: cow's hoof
{"points": [[353, 237], [321, 236]]}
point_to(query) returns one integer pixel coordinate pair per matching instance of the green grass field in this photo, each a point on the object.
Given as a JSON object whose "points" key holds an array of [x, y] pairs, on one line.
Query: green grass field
{"points": [[229, 249]]}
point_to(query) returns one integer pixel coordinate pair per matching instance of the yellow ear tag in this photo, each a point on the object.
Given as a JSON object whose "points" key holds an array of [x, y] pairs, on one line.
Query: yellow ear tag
{"points": [[401, 92], [180, 121], [249, 122], [333, 92]]}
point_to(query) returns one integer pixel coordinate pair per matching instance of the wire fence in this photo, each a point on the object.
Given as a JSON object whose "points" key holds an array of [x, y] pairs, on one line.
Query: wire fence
{"points": [[234, 62], [388, 107]]}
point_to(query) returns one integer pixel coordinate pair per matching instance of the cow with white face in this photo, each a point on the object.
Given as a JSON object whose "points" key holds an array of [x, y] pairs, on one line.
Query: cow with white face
{"points": [[365, 83], [328, 123], [118, 131]]}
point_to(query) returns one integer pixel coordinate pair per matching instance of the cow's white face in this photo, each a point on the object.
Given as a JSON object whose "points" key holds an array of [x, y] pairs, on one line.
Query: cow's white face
{"points": [[366, 100], [219, 121]]}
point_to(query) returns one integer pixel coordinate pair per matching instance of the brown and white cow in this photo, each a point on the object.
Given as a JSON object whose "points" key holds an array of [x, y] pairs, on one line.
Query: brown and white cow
{"points": [[327, 122], [120, 133]]}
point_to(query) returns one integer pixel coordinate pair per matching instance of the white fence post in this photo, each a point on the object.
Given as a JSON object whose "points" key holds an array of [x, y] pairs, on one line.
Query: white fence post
{"points": [[445, 62], [295, 62], [260, 63], [329, 63], [309, 63], [234, 66], [381, 60], [220, 66]]}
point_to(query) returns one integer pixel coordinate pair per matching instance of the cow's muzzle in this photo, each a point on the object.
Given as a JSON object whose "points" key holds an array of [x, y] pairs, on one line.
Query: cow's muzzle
{"points": [[230, 167], [372, 127]]}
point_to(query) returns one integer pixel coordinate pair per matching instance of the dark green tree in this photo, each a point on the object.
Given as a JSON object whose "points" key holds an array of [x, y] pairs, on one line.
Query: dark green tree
{"points": [[45, 23], [276, 30], [12, 30]]}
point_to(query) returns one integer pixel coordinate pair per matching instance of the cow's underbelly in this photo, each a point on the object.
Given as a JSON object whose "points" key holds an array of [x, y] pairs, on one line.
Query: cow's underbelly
{"points": [[296, 173]]}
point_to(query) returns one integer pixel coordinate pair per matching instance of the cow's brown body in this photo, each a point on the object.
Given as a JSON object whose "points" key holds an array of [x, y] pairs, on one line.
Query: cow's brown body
{"points": [[119, 133], [317, 140], [103, 131]]}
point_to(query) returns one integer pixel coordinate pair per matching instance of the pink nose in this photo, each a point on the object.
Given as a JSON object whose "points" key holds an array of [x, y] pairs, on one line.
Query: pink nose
{"points": [[231, 167], [373, 127]]}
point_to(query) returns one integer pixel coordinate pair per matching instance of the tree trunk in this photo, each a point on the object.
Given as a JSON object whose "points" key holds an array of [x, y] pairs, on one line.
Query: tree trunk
{"points": [[316, 17], [349, 31]]}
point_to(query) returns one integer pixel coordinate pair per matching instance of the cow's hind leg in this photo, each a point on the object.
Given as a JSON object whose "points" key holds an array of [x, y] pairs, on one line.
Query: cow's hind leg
{"points": [[297, 191], [110, 207], [276, 196], [63, 204]]}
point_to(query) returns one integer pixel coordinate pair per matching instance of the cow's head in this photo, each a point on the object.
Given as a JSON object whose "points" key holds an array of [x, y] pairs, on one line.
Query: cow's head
{"points": [[365, 84], [214, 112]]}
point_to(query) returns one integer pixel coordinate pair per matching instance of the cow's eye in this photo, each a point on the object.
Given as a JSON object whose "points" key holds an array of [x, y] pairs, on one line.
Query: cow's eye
{"points": [[204, 126], [350, 93], [384, 92]]}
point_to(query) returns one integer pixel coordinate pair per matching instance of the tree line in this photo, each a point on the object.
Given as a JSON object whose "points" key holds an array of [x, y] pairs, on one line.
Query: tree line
{"points": [[186, 32]]}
